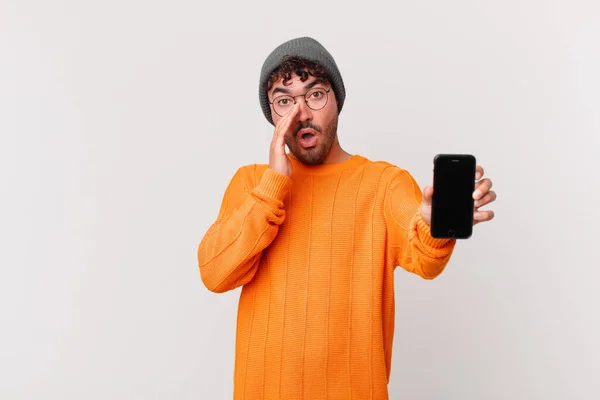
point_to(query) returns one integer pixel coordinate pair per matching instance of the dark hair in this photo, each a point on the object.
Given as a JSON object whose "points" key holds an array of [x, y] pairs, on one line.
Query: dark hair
{"points": [[299, 66]]}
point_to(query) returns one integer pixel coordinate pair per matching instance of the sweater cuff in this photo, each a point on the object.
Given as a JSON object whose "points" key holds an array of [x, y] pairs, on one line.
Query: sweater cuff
{"points": [[423, 232], [274, 185]]}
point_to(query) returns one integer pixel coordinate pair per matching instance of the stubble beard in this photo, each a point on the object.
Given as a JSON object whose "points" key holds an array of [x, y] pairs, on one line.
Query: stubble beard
{"points": [[315, 155]]}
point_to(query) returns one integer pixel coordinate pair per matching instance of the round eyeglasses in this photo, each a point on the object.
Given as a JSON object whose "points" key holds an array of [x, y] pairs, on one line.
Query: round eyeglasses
{"points": [[315, 99]]}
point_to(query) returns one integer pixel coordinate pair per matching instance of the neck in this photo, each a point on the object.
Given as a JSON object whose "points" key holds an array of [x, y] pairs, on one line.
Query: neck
{"points": [[336, 154]]}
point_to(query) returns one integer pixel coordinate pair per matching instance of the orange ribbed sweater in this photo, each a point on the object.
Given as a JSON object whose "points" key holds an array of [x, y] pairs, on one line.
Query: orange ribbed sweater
{"points": [[315, 254]]}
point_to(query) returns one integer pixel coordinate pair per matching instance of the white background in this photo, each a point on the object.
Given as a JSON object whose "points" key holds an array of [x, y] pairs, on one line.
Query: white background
{"points": [[122, 122]]}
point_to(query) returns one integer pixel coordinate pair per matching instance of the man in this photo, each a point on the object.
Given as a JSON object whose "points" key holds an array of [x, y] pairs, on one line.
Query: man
{"points": [[314, 238]]}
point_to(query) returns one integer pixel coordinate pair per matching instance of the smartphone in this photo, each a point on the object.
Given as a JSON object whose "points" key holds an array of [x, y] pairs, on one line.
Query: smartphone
{"points": [[453, 204]]}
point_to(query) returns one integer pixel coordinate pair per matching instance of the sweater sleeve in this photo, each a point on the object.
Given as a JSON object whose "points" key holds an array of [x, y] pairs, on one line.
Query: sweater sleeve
{"points": [[409, 240], [248, 221]]}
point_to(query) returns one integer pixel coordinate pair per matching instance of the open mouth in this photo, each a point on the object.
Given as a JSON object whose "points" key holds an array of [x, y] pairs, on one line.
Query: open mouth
{"points": [[307, 138]]}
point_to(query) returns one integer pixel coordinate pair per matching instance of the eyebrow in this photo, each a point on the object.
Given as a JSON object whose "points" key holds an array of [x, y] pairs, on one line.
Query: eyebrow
{"points": [[307, 86], [314, 83]]}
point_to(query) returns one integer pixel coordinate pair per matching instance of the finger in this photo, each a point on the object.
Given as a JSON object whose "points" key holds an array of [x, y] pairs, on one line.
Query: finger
{"points": [[483, 216], [478, 172], [289, 117], [292, 119], [285, 123], [281, 123], [482, 188], [427, 195], [283, 126], [488, 198]]}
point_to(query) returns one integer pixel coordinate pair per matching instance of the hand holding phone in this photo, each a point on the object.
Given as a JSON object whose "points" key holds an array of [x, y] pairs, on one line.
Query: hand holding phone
{"points": [[452, 203]]}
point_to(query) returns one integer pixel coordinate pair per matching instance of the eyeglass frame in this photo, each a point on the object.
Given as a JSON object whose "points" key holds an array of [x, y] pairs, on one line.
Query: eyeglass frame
{"points": [[303, 95]]}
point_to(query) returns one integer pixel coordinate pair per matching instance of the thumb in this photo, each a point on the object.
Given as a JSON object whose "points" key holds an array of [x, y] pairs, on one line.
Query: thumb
{"points": [[427, 195]]}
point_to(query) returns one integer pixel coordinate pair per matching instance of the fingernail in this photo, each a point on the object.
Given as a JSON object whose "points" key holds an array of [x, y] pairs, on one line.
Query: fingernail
{"points": [[477, 175], [477, 194], [477, 215]]}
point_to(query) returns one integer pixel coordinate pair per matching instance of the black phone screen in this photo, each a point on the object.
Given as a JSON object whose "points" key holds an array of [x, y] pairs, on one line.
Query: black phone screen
{"points": [[452, 203]]}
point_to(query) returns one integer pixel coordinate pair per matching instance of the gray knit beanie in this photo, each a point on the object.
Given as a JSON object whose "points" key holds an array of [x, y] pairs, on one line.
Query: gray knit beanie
{"points": [[310, 49]]}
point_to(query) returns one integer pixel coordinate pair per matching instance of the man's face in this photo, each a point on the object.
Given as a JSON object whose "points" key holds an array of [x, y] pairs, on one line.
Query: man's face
{"points": [[320, 123]]}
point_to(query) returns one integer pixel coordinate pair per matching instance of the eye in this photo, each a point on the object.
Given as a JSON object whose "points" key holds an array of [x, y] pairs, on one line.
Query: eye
{"points": [[283, 102], [317, 94]]}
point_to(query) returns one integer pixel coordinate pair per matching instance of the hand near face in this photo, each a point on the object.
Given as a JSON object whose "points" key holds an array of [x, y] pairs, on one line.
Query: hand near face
{"points": [[483, 195], [278, 160]]}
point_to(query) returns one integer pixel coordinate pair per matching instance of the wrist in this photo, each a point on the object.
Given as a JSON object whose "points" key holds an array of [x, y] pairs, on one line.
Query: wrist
{"points": [[422, 230], [274, 184]]}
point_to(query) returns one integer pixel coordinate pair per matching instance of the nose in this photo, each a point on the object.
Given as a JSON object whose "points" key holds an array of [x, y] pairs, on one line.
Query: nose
{"points": [[304, 112]]}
